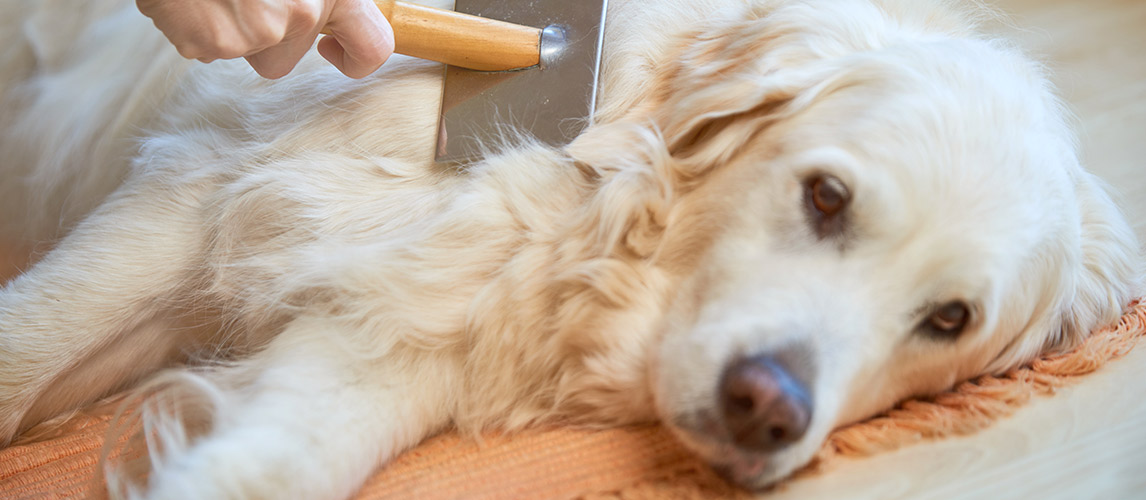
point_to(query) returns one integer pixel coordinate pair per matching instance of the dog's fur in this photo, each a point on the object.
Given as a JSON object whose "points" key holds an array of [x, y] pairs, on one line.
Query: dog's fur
{"points": [[343, 297]]}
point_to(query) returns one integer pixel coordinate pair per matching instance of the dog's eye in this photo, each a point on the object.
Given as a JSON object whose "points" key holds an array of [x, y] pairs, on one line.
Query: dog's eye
{"points": [[949, 320], [826, 198]]}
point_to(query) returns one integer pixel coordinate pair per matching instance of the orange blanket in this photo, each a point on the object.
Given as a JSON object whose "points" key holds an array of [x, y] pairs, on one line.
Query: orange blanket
{"points": [[630, 463]]}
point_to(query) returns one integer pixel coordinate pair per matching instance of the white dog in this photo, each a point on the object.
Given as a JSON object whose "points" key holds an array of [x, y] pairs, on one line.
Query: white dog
{"points": [[789, 215]]}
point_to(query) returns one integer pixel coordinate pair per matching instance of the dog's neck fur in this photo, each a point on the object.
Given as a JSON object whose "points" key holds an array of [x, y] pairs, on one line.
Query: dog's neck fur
{"points": [[571, 335]]}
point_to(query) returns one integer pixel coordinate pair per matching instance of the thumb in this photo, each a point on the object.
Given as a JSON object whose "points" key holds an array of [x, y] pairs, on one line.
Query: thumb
{"points": [[360, 39]]}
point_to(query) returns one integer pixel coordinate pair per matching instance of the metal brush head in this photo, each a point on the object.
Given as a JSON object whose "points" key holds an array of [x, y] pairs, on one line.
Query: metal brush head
{"points": [[552, 102]]}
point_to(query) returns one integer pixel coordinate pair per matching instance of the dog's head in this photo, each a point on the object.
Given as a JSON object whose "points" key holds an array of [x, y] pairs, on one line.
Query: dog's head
{"points": [[861, 207]]}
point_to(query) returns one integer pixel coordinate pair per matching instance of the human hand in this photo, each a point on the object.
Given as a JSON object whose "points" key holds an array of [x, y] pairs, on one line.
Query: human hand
{"points": [[273, 35]]}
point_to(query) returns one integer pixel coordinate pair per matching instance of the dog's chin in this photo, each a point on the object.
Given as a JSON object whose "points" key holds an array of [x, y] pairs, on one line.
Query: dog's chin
{"points": [[746, 468]]}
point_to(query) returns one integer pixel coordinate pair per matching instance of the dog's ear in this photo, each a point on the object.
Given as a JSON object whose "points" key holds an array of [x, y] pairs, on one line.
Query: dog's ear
{"points": [[731, 81], [1101, 272], [1109, 273], [738, 72], [734, 77], [724, 83]]}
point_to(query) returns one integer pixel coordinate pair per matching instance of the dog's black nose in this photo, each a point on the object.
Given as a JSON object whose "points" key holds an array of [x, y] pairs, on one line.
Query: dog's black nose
{"points": [[765, 407]]}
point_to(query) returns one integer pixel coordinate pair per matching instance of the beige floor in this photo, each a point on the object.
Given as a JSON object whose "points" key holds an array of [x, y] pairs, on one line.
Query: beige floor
{"points": [[1088, 441]]}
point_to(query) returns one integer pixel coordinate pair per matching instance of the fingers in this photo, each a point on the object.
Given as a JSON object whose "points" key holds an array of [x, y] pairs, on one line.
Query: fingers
{"points": [[361, 38], [279, 60], [273, 35], [219, 29]]}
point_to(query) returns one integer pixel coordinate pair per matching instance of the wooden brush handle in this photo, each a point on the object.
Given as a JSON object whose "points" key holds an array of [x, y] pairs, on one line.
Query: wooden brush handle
{"points": [[459, 39]]}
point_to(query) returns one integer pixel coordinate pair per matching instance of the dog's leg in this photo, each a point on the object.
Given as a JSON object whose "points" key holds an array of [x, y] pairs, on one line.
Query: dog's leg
{"points": [[103, 283], [313, 420]]}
